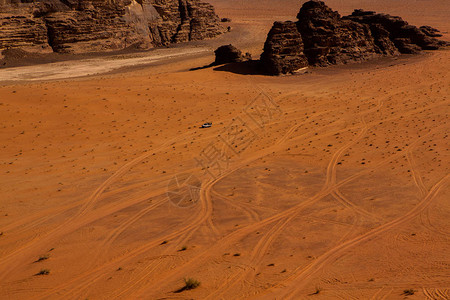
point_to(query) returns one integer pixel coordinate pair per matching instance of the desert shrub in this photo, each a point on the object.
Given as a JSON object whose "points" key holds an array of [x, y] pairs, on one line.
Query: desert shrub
{"points": [[43, 257], [409, 292], [43, 272], [191, 283]]}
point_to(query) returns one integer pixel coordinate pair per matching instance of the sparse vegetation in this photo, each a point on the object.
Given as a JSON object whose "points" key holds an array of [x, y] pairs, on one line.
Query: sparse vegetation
{"points": [[237, 254], [43, 257], [409, 292], [43, 272], [164, 242], [189, 284], [184, 248]]}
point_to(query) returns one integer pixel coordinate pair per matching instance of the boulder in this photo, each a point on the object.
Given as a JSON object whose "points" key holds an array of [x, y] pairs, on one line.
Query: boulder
{"points": [[229, 54], [283, 49]]}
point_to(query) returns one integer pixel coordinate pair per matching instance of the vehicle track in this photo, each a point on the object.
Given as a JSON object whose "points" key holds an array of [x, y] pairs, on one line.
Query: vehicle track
{"points": [[299, 281], [269, 220], [285, 138], [25, 252], [250, 228], [265, 242]]}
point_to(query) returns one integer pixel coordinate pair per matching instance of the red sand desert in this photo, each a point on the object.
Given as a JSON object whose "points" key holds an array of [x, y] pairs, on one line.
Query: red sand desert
{"points": [[334, 186]]}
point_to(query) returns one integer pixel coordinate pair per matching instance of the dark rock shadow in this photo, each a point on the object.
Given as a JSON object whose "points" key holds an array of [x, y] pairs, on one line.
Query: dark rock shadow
{"points": [[251, 67]]}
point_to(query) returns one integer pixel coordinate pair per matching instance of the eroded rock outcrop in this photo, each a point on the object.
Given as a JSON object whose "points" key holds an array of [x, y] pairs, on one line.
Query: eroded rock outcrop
{"points": [[329, 39], [283, 49], [325, 38], [406, 38], [79, 26]]}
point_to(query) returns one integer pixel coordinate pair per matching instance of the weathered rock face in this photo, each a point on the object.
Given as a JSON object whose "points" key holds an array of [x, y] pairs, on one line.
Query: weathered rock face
{"points": [[186, 20], [23, 31], [79, 26], [329, 39], [325, 38], [229, 54], [283, 49], [407, 38]]}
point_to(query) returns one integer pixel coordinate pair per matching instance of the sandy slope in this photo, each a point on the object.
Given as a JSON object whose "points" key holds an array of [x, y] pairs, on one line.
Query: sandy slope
{"points": [[343, 191]]}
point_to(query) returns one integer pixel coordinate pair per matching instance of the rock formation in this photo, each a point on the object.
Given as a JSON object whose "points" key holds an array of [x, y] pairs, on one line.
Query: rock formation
{"points": [[69, 26], [329, 39], [229, 54], [406, 38], [325, 38], [283, 49]]}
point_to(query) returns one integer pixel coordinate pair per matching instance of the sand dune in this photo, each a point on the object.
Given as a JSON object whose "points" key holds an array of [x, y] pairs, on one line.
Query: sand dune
{"points": [[331, 184]]}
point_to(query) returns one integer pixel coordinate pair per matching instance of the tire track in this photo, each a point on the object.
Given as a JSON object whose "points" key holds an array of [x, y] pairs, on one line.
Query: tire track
{"points": [[141, 249], [289, 290], [247, 230], [10, 261], [266, 241], [350, 205]]}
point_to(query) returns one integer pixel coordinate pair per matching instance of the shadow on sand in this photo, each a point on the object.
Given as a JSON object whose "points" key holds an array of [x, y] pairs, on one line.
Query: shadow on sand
{"points": [[251, 67]]}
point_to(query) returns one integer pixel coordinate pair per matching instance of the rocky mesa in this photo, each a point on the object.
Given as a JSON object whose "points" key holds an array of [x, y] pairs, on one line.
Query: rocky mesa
{"points": [[80, 26], [322, 37]]}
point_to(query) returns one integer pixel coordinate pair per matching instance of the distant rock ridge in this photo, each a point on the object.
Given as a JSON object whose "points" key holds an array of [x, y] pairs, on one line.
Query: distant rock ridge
{"points": [[322, 37], [81, 26]]}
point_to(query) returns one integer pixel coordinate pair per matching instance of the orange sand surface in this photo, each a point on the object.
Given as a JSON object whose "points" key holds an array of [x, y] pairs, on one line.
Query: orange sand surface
{"points": [[328, 185]]}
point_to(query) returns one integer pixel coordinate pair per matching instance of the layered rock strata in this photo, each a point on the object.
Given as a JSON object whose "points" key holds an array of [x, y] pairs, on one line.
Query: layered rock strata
{"points": [[70, 26], [283, 49]]}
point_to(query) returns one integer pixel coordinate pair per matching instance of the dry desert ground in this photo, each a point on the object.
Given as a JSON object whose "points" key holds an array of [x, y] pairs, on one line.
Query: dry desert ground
{"points": [[328, 185]]}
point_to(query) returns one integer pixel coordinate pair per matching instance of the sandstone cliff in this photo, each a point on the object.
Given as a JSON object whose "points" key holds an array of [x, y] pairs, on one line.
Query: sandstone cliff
{"points": [[80, 26]]}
